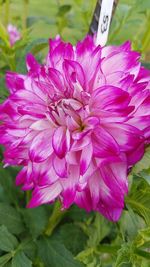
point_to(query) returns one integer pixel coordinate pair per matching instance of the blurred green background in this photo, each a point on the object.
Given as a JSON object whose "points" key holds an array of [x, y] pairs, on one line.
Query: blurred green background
{"points": [[71, 19]]}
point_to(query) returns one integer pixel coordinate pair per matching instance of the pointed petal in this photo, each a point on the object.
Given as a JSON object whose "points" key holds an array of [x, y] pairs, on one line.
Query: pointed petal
{"points": [[61, 141], [86, 156], [60, 166], [41, 147], [44, 194]]}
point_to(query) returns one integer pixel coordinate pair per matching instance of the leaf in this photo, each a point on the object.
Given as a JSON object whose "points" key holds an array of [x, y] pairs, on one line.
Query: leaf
{"points": [[77, 214], [63, 10], [4, 259], [143, 164], [35, 19], [21, 260], [11, 219], [130, 223], [145, 174], [28, 246], [144, 5], [10, 193], [142, 237], [139, 199], [54, 254], [8, 242], [123, 255], [98, 230], [77, 241], [35, 220]]}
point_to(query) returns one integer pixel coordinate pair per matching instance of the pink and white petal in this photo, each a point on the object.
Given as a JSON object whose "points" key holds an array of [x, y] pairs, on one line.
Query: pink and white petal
{"points": [[135, 155], [111, 213], [57, 80], [74, 72], [116, 172], [14, 81], [85, 160], [61, 141], [69, 186], [81, 143], [127, 136], [41, 146], [109, 98], [111, 49], [83, 200], [60, 167], [21, 177], [32, 65], [45, 194], [104, 144], [125, 61], [40, 125]]}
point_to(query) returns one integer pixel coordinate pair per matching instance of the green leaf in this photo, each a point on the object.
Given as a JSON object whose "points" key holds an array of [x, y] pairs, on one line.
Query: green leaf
{"points": [[77, 241], [143, 164], [21, 260], [130, 223], [77, 214], [139, 199], [145, 174], [4, 259], [143, 237], [11, 219], [35, 220], [54, 254], [123, 255], [10, 193], [98, 230], [63, 10], [28, 246], [8, 242]]}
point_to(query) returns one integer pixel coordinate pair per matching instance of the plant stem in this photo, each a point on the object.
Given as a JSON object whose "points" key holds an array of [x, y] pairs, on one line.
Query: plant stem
{"points": [[142, 253], [6, 18], [107, 248], [25, 14], [54, 219]]}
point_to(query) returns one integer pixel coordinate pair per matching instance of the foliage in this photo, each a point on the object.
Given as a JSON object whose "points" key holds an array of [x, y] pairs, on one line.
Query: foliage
{"points": [[79, 238]]}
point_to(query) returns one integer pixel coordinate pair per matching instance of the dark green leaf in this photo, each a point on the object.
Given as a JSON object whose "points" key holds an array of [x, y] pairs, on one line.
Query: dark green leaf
{"points": [[21, 260], [35, 220], [11, 219], [54, 254], [28, 246], [77, 241], [8, 242]]}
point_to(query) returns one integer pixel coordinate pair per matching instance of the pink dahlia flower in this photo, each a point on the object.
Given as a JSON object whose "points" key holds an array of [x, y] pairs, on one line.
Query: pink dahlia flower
{"points": [[14, 34], [77, 124]]}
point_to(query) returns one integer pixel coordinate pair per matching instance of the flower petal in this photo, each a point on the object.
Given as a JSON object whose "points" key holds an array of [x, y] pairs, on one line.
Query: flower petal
{"points": [[41, 147], [61, 141], [86, 156], [44, 194]]}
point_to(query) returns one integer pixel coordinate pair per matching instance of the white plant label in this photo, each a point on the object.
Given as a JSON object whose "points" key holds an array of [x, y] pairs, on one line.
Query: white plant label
{"points": [[104, 22]]}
